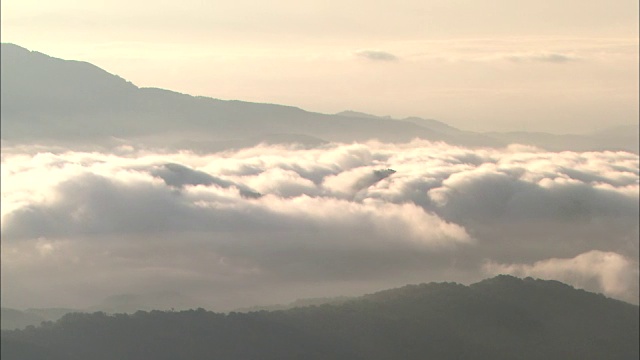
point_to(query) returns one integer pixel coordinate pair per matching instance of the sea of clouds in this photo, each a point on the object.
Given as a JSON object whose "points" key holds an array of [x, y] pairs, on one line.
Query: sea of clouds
{"points": [[274, 223]]}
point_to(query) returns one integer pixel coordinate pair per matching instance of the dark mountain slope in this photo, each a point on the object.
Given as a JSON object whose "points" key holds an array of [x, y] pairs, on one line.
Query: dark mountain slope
{"points": [[500, 318], [44, 97]]}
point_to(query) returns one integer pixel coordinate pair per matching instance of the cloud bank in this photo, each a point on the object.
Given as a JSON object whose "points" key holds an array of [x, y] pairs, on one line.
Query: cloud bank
{"points": [[595, 270], [277, 223]]}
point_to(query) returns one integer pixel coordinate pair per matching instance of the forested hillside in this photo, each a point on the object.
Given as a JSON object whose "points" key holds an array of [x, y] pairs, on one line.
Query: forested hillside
{"points": [[499, 318]]}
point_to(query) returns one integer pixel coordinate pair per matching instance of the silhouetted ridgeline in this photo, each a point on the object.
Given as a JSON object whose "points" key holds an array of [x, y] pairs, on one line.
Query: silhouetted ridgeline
{"points": [[499, 318], [72, 103]]}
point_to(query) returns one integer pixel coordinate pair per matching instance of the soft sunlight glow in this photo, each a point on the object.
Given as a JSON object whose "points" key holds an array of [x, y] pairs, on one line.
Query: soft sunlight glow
{"points": [[532, 66]]}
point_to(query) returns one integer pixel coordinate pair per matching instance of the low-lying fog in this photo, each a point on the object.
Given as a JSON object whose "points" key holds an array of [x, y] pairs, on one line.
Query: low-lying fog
{"points": [[270, 224]]}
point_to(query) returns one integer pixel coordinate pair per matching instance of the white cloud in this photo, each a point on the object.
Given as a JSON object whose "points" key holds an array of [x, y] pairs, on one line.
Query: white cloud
{"points": [[607, 272], [331, 217]]}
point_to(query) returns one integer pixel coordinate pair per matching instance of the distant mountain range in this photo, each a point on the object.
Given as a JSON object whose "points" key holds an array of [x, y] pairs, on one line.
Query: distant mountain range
{"points": [[46, 100], [499, 318], [122, 303], [19, 319]]}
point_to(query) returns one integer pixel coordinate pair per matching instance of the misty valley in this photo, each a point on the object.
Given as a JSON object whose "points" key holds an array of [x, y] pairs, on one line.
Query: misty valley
{"points": [[499, 318], [143, 223]]}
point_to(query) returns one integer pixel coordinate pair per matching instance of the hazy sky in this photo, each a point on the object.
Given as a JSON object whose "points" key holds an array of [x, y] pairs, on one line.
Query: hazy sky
{"points": [[561, 66]]}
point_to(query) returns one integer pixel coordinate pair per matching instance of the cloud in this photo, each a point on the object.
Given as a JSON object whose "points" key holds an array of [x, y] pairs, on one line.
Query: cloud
{"points": [[376, 55], [607, 272], [79, 226], [554, 58]]}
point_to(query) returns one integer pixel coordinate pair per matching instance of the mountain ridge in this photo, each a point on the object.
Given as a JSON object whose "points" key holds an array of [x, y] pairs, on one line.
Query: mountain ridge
{"points": [[54, 101], [485, 320], [156, 111]]}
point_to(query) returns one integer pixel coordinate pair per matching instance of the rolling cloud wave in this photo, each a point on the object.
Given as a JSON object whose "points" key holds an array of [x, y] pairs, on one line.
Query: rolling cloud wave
{"points": [[283, 222]]}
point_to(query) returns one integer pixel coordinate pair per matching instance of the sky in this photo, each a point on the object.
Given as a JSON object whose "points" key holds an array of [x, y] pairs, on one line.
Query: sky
{"points": [[555, 66]]}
